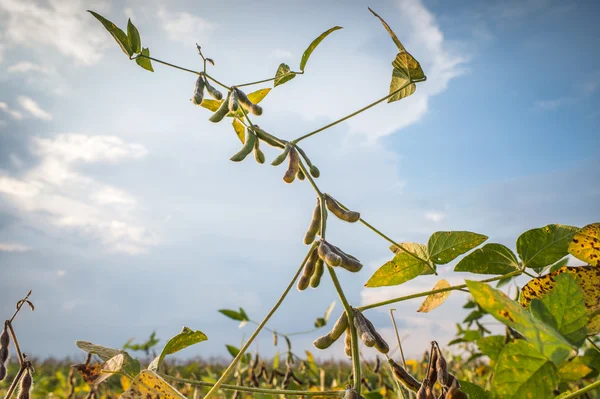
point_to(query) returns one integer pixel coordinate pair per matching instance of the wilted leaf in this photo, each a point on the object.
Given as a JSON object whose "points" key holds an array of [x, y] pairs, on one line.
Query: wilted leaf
{"points": [[187, 337], [314, 44], [434, 300], [586, 244], [545, 245], [130, 366], [523, 372], [145, 62], [390, 31], [148, 384], [491, 346], [588, 280], [94, 374], [406, 70], [508, 312], [402, 268], [133, 36], [445, 246], [116, 33], [571, 371], [283, 75], [490, 259], [239, 128]]}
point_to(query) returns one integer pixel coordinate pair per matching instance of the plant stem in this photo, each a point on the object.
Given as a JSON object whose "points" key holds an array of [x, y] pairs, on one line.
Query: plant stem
{"points": [[352, 114], [269, 80], [398, 337], [231, 366], [15, 342], [583, 390], [15, 382], [183, 69], [593, 344], [252, 389], [440, 290], [20, 304]]}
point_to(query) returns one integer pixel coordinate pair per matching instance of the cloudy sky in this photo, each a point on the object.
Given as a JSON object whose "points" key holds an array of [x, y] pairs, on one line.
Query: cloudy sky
{"points": [[120, 209]]}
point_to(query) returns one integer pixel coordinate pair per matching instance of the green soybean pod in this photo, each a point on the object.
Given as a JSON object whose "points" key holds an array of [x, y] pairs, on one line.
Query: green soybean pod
{"points": [[293, 167], [221, 112], [216, 94], [327, 255], [323, 342], [267, 138], [341, 324], [315, 224], [281, 157], [259, 156], [309, 268], [337, 210], [314, 171], [247, 104], [315, 280], [246, 148], [233, 101], [198, 90], [300, 175]]}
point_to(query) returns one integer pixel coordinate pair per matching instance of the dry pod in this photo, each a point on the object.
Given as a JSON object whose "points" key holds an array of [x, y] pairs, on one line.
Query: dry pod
{"points": [[4, 343], [337, 210], [247, 104], [404, 376], [315, 224], [214, 93], [442, 370], [348, 262], [338, 329], [223, 110], [259, 156], [380, 343], [327, 254], [26, 384], [454, 391], [348, 343], [307, 272], [246, 148], [363, 329], [2, 371], [199, 90], [315, 280], [233, 101], [425, 391], [293, 167], [351, 393]]}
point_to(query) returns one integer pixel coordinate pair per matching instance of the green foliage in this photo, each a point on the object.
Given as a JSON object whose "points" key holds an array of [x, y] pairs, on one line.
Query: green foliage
{"points": [[133, 36], [116, 32], [283, 75], [187, 337], [402, 268], [490, 259], [546, 245], [314, 45], [445, 246]]}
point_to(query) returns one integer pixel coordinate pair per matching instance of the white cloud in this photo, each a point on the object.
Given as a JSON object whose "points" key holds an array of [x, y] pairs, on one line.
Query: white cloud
{"points": [[185, 27], [15, 114], [434, 216], [26, 67], [58, 24], [11, 247], [280, 53], [61, 273], [31, 106], [54, 195]]}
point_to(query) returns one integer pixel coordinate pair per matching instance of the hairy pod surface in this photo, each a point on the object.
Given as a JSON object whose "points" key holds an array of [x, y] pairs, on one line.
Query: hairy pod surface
{"points": [[293, 166], [348, 262], [380, 343], [348, 343], [442, 370], [425, 391], [198, 90], [2, 371], [337, 210], [267, 138], [315, 224], [4, 339], [362, 328], [431, 377], [246, 148], [247, 104], [325, 253], [404, 376], [351, 394], [25, 387], [323, 342], [3, 355], [214, 93], [281, 157], [308, 270], [315, 280], [223, 110], [259, 156], [233, 101]]}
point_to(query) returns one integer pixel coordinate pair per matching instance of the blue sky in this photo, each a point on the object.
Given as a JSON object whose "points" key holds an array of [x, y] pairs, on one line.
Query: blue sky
{"points": [[120, 208]]}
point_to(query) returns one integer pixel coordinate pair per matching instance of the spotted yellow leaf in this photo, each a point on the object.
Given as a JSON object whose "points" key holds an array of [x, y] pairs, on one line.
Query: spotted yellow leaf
{"points": [[211, 105], [588, 280], [586, 244], [148, 384], [434, 300], [95, 373]]}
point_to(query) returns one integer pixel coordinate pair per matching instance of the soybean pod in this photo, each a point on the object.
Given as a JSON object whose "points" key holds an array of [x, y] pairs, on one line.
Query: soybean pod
{"points": [[246, 148]]}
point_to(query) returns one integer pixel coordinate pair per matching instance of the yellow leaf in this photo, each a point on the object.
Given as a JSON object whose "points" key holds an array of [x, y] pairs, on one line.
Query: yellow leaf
{"points": [[148, 384], [588, 280], [212, 105], [586, 244], [240, 129], [434, 300], [94, 374], [125, 383], [257, 96]]}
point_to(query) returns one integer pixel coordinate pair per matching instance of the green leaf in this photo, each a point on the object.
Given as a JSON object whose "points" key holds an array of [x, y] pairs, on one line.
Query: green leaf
{"points": [[133, 36], [232, 314], [116, 33], [187, 337], [546, 245], [283, 75], [563, 308], [491, 346], [588, 280], [402, 268], [474, 391], [508, 312], [490, 259], [523, 372], [586, 244], [561, 263], [233, 351], [445, 246], [239, 128], [322, 321], [130, 365], [571, 371], [145, 62], [313, 45]]}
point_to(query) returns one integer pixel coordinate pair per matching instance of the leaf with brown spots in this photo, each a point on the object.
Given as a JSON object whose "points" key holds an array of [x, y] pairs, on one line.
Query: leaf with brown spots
{"points": [[546, 245], [211, 105], [586, 244], [571, 371], [94, 374], [588, 280], [489, 259], [434, 300], [131, 366], [545, 339], [148, 384]]}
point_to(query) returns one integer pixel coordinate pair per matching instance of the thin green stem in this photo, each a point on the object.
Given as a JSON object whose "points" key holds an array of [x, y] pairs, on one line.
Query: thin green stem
{"points": [[231, 366], [583, 390], [352, 114], [270, 79], [252, 389], [593, 344], [529, 274], [183, 69], [398, 337], [440, 290], [15, 342], [19, 306]]}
